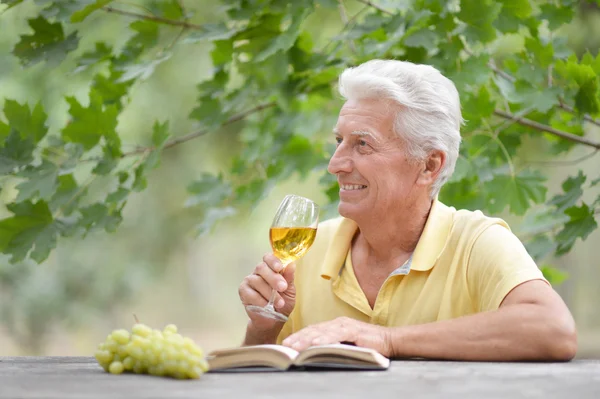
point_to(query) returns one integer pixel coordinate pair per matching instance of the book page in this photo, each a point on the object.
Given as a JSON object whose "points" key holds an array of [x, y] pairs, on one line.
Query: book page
{"points": [[342, 354]]}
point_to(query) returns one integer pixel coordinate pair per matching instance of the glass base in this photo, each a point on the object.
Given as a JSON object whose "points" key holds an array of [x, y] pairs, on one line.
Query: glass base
{"points": [[267, 311]]}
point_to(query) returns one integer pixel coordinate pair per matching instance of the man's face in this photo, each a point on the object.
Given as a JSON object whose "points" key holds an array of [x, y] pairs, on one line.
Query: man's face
{"points": [[374, 174]]}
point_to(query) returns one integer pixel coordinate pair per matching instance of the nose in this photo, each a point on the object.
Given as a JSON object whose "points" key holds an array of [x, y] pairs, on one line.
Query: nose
{"points": [[340, 162]]}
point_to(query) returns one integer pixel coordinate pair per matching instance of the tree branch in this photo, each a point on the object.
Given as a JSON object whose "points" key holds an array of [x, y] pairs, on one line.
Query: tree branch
{"points": [[191, 136], [154, 18], [547, 129], [345, 21]]}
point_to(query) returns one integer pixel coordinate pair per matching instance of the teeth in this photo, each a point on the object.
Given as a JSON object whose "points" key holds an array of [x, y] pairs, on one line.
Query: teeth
{"points": [[352, 187]]}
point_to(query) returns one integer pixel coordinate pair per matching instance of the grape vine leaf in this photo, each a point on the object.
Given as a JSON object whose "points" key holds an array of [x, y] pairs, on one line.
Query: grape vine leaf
{"points": [[479, 16], [17, 152], [29, 124], [515, 191], [285, 40], [212, 216], [10, 3], [208, 191], [81, 15], [47, 43], [553, 275], [580, 224], [572, 192], [31, 226], [41, 182], [91, 123]]}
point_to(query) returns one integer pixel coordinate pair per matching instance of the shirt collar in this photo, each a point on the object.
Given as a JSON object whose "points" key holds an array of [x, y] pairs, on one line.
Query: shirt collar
{"points": [[429, 248]]}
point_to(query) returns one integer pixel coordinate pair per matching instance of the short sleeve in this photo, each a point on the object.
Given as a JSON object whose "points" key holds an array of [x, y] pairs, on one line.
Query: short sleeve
{"points": [[498, 263]]}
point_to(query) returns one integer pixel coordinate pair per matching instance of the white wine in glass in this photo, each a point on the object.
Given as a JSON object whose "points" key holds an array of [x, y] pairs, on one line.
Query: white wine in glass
{"points": [[292, 232]]}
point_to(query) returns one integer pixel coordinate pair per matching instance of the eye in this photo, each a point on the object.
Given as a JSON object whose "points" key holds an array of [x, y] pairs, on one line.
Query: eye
{"points": [[338, 140], [362, 143]]}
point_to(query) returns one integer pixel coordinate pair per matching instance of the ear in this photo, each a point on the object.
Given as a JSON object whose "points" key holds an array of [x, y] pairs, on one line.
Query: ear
{"points": [[432, 166]]}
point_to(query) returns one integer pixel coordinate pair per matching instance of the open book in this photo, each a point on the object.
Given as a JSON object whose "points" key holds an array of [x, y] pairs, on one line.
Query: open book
{"points": [[283, 358]]}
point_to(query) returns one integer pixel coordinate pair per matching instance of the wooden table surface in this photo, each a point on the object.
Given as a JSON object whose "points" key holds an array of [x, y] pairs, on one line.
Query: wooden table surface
{"points": [[81, 378]]}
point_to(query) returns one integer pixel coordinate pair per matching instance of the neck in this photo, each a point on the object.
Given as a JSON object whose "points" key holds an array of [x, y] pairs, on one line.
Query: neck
{"points": [[389, 236]]}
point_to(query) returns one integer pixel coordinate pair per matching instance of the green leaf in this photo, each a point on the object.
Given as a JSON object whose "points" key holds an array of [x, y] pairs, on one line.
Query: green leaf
{"points": [[518, 192], [41, 182], [540, 247], [90, 123], [30, 227], [285, 40], [170, 9], [479, 16], [67, 196], [10, 3], [146, 37], [425, 38], [208, 191], [17, 152], [211, 32], [99, 216], [118, 196], [512, 15], [572, 192], [556, 15], [4, 133], [222, 52], [139, 181], [160, 135], [212, 216], [580, 225], [143, 70], [553, 275], [47, 43], [101, 53], [28, 124], [79, 16], [586, 99], [109, 90]]}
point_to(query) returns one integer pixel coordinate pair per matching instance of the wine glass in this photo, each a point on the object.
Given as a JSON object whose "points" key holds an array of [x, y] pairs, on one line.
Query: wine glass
{"points": [[292, 232]]}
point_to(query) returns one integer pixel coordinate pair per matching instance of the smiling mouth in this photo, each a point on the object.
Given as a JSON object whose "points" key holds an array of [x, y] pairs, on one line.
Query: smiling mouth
{"points": [[352, 187]]}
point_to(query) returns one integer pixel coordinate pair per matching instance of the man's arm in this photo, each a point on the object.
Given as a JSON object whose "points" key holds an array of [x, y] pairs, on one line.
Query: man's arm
{"points": [[533, 323]]}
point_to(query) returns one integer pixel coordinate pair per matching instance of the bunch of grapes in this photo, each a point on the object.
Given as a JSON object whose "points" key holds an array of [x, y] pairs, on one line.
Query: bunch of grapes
{"points": [[154, 352]]}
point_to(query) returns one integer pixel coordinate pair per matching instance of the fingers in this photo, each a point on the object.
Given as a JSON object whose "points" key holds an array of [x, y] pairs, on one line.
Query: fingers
{"points": [[267, 270], [329, 332], [289, 272], [255, 291], [273, 262]]}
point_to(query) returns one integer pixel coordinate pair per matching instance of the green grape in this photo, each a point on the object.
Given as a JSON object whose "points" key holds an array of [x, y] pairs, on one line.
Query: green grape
{"points": [[128, 363], [103, 357], [154, 352], [116, 367], [111, 345], [120, 336], [170, 329], [138, 368], [141, 330]]}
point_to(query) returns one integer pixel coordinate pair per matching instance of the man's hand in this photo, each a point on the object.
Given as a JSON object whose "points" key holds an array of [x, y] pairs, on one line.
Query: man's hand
{"points": [[342, 329], [256, 290]]}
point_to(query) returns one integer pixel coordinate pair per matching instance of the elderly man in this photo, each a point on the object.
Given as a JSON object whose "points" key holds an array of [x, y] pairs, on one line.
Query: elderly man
{"points": [[399, 271]]}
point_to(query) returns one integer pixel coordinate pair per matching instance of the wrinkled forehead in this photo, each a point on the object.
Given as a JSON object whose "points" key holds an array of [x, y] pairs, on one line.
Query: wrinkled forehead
{"points": [[368, 117]]}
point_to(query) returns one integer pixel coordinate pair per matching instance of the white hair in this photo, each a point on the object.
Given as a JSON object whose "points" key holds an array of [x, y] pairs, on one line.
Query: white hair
{"points": [[430, 117]]}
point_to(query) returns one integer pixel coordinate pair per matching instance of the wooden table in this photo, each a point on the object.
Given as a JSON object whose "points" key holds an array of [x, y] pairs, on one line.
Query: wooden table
{"points": [[82, 378]]}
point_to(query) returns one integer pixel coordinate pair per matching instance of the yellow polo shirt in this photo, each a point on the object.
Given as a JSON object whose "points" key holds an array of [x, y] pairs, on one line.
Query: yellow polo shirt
{"points": [[464, 263]]}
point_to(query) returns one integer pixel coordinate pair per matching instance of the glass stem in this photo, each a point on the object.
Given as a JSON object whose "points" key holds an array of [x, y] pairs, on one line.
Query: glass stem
{"points": [[272, 299]]}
